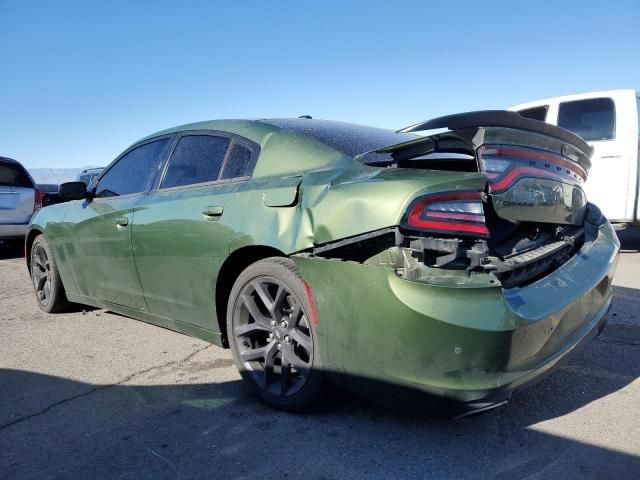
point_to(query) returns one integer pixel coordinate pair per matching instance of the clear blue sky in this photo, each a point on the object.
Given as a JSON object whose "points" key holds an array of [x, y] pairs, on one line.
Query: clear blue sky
{"points": [[80, 81]]}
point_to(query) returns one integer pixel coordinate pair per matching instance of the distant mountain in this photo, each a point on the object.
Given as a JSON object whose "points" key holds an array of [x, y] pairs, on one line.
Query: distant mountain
{"points": [[55, 175]]}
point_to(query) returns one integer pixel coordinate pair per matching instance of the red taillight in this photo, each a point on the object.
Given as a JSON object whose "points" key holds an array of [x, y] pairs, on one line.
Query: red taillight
{"points": [[451, 213], [37, 200], [505, 164]]}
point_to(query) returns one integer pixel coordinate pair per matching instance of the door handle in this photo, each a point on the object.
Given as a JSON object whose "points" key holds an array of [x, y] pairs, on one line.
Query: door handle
{"points": [[213, 212], [121, 222]]}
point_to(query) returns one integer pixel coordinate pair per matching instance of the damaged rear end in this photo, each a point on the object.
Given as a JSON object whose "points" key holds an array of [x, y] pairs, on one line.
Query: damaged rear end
{"points": [[529, 216], [492, 276]]}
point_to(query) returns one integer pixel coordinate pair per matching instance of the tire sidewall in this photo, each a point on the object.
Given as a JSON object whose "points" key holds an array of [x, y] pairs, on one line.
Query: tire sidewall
{"points": [[55, 301], [282, 269]]}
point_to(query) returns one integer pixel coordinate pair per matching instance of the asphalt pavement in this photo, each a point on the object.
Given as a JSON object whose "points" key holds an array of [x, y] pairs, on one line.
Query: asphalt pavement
{"points": [[90, 394]]}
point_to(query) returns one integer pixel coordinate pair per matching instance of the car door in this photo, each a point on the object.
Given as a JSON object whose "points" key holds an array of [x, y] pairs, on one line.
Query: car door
{"points": [[99, 230], [594, 119], [181, 234]]}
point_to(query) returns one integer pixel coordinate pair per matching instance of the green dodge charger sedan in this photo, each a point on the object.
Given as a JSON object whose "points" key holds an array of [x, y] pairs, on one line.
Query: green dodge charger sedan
{"points": [[456, 265]]}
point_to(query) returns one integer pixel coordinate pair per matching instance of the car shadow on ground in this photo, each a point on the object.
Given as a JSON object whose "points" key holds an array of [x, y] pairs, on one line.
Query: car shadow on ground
{"points": [[70, 429], [11, 249], [143, 428]]}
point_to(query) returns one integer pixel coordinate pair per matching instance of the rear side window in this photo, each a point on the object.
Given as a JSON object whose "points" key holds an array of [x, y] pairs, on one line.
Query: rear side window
{"points": [[134, 172], [239, 162], [535, 113], [196, 159], [592, 119], [14, 175]]}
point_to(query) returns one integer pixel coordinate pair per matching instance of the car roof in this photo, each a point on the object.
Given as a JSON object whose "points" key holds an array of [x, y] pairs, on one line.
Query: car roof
{"points": [[251, 129], [282, 153], [10, 160], [349, 138], [293, 145]]}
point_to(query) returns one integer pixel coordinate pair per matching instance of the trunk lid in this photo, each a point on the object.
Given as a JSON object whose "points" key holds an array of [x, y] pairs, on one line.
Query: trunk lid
{"points": [[531, 177]]}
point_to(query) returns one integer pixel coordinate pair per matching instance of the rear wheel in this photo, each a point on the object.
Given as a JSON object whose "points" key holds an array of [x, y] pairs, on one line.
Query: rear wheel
{"points": [[271, 334], [45, 277]]}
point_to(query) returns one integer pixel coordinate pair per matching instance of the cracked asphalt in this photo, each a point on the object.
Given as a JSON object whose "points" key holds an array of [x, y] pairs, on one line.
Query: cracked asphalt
{"points": [[90, 394]]}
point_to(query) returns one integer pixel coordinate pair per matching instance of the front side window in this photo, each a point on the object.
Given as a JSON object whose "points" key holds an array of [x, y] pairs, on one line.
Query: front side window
{"points": [[134, 172], [535, 113], [196, 159], [593, 119]]}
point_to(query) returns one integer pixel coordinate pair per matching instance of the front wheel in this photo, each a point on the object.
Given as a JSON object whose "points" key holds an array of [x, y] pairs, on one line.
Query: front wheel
{"points": [[45, 277], [272, 336]]}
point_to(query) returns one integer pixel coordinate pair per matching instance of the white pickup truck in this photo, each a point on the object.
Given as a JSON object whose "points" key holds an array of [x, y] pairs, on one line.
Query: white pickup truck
{"points": [[609, 121]]}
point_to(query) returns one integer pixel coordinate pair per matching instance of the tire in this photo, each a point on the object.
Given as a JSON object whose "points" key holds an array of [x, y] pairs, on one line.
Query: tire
{"points": [[269, 326], [45, 277]]}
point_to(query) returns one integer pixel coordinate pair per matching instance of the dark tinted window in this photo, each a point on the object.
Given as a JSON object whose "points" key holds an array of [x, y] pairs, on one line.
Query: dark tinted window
{"points": [[196, 159], [347, 138], [14, 175], [535, 113], [239, 162], [593, 119], [87, 178], [134, 172]]}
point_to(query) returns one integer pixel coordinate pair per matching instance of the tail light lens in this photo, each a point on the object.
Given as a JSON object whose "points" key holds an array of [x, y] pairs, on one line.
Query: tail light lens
{"points": [[505, 164], [459, 213], [37, 202]]}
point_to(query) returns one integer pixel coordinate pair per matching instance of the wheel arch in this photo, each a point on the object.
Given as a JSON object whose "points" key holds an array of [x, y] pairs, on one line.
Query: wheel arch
{"points": [[234, 264]]}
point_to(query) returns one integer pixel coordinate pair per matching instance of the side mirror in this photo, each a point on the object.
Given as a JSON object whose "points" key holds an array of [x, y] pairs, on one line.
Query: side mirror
{"points": [[73, 191]]}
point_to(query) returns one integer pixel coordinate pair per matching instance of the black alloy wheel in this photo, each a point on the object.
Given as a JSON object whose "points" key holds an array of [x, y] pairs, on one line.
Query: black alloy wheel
{"points": [[41, 273], [272, 336], [45, 277]]}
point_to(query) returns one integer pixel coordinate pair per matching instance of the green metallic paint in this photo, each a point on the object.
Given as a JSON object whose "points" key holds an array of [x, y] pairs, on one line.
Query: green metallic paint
{"points": [[178, 251], [462, 342], [100, 252]]}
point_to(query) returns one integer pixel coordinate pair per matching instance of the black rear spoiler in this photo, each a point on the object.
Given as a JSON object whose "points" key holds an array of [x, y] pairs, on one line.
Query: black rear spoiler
{"points": [[500, 118]]}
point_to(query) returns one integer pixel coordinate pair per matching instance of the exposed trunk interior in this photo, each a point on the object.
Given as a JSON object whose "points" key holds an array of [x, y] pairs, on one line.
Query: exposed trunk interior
{"points": [[534, 209]]}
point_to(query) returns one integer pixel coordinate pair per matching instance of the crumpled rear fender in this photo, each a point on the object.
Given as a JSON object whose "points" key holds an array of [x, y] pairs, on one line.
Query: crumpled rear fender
{"points": [[368, 199]]}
